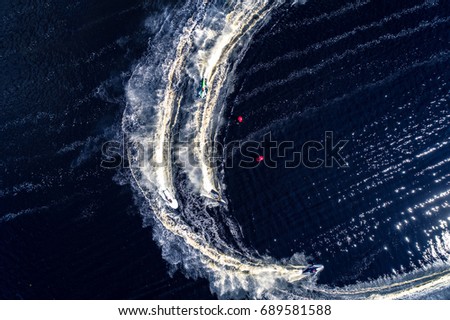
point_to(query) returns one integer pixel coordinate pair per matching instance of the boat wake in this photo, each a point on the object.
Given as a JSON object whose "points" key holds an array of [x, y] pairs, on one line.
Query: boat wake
{"points": [[169, 137]]}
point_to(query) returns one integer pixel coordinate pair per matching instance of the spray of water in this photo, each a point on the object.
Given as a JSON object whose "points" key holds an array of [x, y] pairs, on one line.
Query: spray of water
{"points": [[166, 124]]}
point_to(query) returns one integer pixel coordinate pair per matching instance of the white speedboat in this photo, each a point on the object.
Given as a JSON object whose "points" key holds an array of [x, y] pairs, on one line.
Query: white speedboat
{"points": [[169, 198], [313, 269], [214, 195]]}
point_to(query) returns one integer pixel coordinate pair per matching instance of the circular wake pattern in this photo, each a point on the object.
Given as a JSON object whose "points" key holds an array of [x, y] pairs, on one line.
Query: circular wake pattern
{"points": [[170, 132]]}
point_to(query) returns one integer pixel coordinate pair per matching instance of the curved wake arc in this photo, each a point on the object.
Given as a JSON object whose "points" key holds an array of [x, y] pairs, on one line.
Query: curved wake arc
{"points": [[200, 43]]}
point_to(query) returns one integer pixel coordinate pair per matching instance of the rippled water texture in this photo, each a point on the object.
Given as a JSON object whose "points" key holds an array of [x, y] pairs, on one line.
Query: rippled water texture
{"points": [[373, 74]]}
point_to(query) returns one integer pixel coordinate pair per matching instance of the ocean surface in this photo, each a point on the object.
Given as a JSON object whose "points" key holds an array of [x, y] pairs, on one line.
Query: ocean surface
{"points": [[81, 75]]}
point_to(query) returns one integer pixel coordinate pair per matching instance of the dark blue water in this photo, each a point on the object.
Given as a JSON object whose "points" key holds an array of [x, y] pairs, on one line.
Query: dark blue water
{"points": [[374, 73], [67, 230]]}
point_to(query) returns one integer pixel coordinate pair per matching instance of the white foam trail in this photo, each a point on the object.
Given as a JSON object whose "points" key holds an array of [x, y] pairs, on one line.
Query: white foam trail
{"points": [[244, 19], [198, 40], [225, 266]]}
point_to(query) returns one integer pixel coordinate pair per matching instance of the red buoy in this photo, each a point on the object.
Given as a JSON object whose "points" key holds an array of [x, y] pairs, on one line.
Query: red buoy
{"points": [[240, 119], [259, 158]]}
